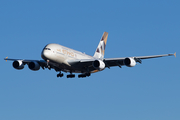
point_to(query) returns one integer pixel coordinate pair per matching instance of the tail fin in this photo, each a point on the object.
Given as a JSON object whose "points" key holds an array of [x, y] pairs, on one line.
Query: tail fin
{"points": [[99, 53]]}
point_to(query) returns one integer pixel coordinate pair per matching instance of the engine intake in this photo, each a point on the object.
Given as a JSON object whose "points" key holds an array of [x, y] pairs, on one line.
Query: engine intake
{"points": [[34, 66], [18, 64], [130, 62], [98, 64]]}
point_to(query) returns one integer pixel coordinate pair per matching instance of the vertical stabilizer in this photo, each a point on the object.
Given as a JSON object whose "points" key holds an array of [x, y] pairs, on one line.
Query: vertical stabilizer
{"points": [[99, 53]]}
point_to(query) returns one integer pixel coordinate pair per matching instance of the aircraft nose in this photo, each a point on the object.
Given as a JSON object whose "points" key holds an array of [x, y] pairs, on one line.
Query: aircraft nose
{"points": [[44, 54]]}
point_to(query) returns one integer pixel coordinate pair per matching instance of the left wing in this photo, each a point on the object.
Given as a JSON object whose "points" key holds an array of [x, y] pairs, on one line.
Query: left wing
{"points": [[110, 62]]}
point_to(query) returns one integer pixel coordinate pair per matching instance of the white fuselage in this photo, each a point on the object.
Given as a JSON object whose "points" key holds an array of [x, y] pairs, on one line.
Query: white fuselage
{"points": [[59, 55]]}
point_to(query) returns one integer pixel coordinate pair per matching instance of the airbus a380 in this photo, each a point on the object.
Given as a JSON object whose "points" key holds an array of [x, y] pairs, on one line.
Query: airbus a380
{"points": [[64, 59]]}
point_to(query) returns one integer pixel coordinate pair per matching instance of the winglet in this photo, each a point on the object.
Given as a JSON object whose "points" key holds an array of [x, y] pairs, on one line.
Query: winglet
{"points": [[6, 58], [175, 54]]}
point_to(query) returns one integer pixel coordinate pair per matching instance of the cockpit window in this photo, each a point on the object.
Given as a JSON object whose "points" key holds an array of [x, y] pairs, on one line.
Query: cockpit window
{"points": [[47, 49]]}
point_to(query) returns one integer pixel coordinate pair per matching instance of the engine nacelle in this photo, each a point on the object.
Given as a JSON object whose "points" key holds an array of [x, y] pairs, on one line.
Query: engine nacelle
{"points": [[18, 64], [34, 66], [130, 62], [98, 64]]}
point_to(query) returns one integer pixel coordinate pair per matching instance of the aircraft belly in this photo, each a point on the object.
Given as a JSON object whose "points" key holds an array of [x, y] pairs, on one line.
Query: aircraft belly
{"points": [[59, 61], [75, 69], [60, 58], [80, 68]]}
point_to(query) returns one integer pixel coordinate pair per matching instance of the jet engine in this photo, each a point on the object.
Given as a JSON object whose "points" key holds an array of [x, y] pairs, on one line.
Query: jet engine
{"points": [[98, 64], [34, 66], [18, 64], [130, 62]]}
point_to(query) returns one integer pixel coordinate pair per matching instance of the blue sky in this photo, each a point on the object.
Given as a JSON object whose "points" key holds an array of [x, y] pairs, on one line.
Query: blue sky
{"points": [[136, 28]]}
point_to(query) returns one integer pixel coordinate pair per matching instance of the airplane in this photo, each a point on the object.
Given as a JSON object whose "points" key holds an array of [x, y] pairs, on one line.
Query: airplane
{"points": [[64, 59]]}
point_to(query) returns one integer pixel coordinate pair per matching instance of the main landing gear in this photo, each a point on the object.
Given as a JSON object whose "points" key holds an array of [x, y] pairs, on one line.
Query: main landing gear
{"points": [[73, 75], [68, 76], [60, 74], [84, 75]]}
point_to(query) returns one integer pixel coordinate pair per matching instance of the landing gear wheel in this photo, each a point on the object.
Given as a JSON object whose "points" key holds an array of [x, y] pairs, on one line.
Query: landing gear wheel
{"points": [[71, 76], [84, 75], [60, 75]]}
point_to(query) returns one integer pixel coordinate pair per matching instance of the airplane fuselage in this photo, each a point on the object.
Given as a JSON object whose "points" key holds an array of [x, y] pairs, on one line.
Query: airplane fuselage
{"points": [[60, 55]]}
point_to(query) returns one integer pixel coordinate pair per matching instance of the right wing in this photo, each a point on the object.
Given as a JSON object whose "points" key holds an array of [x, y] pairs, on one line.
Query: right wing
{"points": [[19, 63], [32, 64]]}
